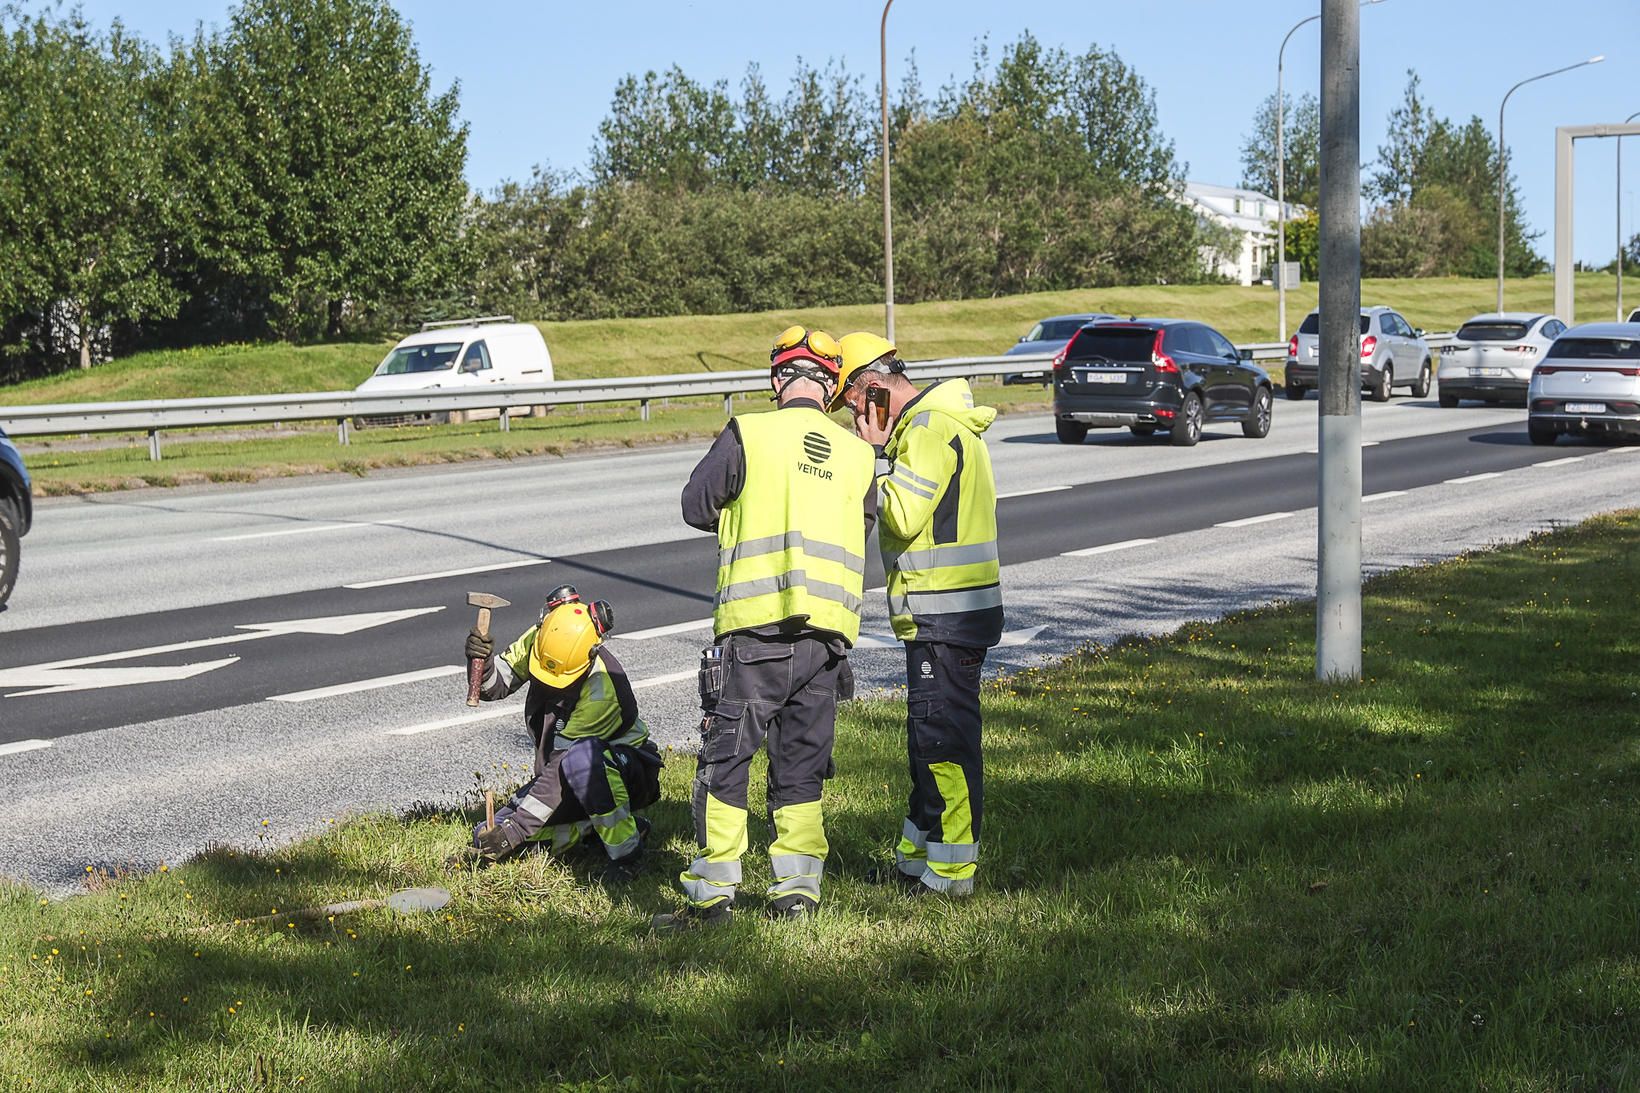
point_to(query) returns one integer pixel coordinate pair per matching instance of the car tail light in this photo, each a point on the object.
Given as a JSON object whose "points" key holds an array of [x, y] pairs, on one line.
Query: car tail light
{"points": [[1528, 349], [1543, 404], [1163, 413], [1625, 407], [1159, 360], [1292, 346], [1369, 345], [1059, 357], [1551, 369]]}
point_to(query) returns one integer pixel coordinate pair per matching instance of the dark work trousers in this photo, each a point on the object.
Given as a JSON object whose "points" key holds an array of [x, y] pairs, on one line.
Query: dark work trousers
{"points": [[587, 786], [784, 689], [940, 842]]}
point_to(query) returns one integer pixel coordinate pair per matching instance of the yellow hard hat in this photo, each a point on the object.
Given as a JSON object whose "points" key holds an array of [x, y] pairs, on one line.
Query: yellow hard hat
{"points": [[860, 349], [564, 645]]}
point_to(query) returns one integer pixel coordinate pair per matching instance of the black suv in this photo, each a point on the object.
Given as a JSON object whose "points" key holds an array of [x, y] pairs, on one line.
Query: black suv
{"points": [[16, 513], [1156, 374]]}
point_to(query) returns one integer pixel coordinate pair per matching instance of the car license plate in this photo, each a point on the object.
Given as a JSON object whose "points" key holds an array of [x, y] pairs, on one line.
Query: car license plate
{"points": [[1486, 371], [1585, 407], [1103, 377], [1315, 351]]}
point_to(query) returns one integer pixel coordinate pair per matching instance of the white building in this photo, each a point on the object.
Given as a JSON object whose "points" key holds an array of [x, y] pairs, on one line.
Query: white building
{"points": [[1252, 216]]}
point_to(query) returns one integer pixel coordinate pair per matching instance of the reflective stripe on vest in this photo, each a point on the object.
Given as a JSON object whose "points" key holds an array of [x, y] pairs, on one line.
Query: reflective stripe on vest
{"points": [[791, 545]]}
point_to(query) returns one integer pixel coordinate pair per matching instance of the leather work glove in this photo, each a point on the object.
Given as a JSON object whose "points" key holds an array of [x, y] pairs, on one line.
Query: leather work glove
{"points": [[479, 647]]}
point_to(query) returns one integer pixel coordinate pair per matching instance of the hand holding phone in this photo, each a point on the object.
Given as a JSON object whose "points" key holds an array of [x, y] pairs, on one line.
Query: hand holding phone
{"points": [[877, 402]]}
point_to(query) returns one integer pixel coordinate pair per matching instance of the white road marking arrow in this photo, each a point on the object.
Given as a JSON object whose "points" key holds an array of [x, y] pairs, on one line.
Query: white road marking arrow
{"points": [[60, 676]]}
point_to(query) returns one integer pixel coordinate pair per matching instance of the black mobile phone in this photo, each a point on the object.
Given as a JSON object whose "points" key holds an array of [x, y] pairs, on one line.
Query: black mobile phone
{"points": [[877, 397]]}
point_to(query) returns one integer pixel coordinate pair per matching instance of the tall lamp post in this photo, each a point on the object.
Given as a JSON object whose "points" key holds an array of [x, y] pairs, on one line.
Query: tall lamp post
{"points": [[888, 222], [1503, 155], [1281, 179], [1620, 240]]}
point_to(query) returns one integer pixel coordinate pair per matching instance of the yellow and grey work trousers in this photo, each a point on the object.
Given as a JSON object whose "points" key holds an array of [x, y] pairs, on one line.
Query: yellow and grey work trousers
{"points": [[940, 842], [585, 787], [783, 689]]}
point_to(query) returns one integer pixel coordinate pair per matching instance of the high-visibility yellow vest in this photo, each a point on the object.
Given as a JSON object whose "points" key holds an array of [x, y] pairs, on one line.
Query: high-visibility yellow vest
{"points": [[938, 521], [792, 544]]}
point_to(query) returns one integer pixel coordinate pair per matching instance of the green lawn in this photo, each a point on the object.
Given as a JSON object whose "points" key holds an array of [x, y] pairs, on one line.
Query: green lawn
{"points": [[1201, 870]]}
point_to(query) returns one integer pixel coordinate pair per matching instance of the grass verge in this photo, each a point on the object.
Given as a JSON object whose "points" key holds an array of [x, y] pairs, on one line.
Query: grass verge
{"points": [[1202, 870]]}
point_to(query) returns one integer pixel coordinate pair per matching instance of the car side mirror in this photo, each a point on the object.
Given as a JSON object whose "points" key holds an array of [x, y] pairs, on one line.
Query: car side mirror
{"points": [[1418, 330], [1244, 354], [470, 366], [1024, 337]]}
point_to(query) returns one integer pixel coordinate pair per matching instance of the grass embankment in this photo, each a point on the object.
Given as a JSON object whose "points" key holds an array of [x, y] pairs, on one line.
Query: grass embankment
{"points": [[1202, 870], [691, 343]]}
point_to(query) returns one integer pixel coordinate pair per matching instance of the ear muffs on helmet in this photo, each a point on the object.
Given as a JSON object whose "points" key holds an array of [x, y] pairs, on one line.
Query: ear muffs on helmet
{"points": [[603, 617], [564, 593]]}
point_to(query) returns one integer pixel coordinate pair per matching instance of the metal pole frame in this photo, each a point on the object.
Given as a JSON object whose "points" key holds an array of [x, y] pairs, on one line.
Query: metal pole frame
{"points": [[1620, 239], [1338, 542], [888, 220], [1565, 135], [1281, 186]]}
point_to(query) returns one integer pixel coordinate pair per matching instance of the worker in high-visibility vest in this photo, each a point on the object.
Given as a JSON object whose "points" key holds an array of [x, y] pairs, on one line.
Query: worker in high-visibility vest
{"points": [[595, 766], [938, 533], [791, 496]]}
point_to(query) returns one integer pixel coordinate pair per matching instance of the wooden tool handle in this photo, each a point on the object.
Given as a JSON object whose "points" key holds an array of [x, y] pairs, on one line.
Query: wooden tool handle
{"points": [[475, 680], [489, 809], [484, 622]]}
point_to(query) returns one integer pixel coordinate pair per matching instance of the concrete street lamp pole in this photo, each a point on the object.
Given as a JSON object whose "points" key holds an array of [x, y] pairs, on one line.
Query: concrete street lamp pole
{"points": [[1338, 544], [888, 221], [1620, 240], [1503, 156]]}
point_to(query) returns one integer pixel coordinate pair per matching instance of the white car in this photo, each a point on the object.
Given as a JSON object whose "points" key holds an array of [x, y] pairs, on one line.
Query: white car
{"points": [[1588, 385], [1492, 356], [462, 354]]}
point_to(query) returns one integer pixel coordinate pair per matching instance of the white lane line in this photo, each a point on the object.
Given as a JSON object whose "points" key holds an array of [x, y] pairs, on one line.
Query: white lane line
{"points": [[1385, 496], [1251, 520], [1631, 450], [1030, 493], [665, 631], [1474, 478], [1559, 462], [369, 684], [18, 746], [660, 681], [451, 722], [1088, 552], [312, 530], [449, 573]]}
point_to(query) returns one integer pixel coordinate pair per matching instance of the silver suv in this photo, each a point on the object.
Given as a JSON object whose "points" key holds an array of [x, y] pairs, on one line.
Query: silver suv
{"points": [[1588, 385], [1393, 354]]}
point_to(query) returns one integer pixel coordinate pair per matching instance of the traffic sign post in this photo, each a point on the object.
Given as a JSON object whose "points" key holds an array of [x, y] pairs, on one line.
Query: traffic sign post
{"points": [[1338, 546]]}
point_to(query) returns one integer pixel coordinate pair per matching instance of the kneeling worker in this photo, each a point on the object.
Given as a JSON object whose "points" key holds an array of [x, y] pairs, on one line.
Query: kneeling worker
{"points": [[594, 763]]}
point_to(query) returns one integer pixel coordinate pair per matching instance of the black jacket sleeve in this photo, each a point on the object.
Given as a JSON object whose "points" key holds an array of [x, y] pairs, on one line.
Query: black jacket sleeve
{"points": [[623, 687], [871, 508], [715, 481]]}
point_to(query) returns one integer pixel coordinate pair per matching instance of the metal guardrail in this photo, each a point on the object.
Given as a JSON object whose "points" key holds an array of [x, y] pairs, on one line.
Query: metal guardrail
{"points": [[155, 416]]}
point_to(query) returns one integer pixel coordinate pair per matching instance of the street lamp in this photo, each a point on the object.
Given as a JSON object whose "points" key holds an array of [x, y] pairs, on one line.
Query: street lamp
{"points": [[1626, 120], [1503, 155], [1281, 180], [888, 222]]}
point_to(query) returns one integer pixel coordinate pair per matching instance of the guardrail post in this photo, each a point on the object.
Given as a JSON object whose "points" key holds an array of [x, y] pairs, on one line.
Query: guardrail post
{"points": [[153, 445], [643, 409], [342, 435], [729, 405], [505, 419]]}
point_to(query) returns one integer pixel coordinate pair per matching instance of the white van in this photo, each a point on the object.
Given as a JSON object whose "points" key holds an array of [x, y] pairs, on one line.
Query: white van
{"points": [[463, 353]]}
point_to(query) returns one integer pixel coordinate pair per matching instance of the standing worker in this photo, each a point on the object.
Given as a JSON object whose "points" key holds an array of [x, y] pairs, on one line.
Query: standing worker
{"points": [[938, 534], [791, 496], [595, 766]]}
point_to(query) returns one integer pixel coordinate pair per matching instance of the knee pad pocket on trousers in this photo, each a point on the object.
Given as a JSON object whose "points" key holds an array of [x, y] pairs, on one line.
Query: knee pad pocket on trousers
{"points": [[930, 731], [720, 732]]}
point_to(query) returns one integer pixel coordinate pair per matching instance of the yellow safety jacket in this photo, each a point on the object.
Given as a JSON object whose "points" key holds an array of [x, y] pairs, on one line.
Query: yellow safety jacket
{"points": [[938, 521], [595, 700], [791, 545]]}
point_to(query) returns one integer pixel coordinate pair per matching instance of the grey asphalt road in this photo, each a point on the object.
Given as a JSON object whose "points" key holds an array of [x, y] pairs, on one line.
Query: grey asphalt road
{"points": [[298, 725]]}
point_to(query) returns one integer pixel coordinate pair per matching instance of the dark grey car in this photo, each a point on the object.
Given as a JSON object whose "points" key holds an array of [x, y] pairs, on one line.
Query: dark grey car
{"points": [[16, 513], [1048, 336]]}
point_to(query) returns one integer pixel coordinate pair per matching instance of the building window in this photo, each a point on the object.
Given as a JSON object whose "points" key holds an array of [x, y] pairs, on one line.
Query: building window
{"points": [[1238, 206]]}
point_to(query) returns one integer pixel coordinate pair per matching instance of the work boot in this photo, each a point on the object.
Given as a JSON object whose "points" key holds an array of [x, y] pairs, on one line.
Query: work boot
{"points": [[690, 917], [886, 875], [793, 905]]}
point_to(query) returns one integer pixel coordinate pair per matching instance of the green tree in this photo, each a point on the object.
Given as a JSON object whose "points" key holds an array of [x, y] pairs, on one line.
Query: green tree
{"points": [[326, 176], [1301, 148], [81, 189]]}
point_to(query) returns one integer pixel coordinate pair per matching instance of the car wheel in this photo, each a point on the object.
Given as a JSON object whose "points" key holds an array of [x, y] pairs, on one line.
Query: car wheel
{"points": [[1380, 386], [1447, 401], [1420, 386], [1540, 434], [1294, 392], [1257, 424], [1070, 432], [1142, 430], [10, 544], [1187, 427]]}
